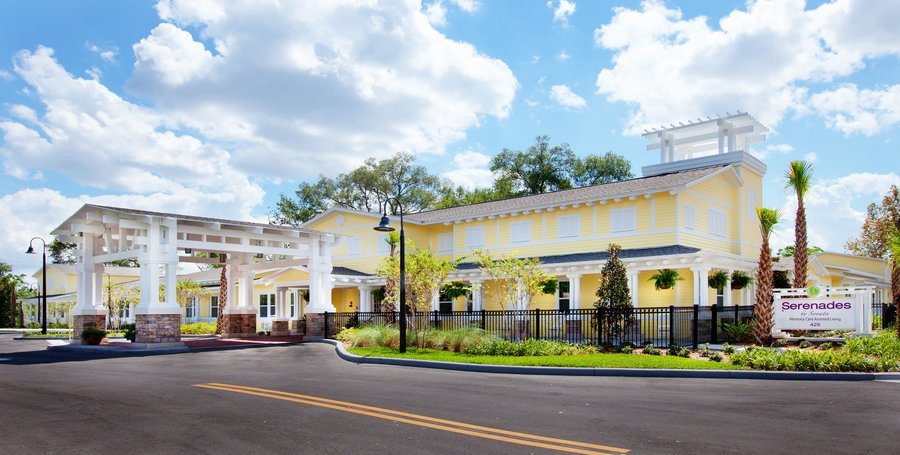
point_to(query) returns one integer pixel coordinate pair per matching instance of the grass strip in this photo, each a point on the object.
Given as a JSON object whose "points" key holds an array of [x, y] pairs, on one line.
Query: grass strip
{"points": [[584, 360]]}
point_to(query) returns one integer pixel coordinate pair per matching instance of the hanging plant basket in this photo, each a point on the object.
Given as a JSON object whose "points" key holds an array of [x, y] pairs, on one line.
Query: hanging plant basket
{"points": [[740, 280], [665, 279], [718, 279]]}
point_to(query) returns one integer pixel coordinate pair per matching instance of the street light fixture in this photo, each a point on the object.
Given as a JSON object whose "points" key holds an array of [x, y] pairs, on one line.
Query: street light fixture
{"points": [[43, 282], [385, 226]]}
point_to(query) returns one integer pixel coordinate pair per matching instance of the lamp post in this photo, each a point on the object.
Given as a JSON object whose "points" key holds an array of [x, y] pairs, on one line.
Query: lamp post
{"points": [[385, 226], [43, 282]]}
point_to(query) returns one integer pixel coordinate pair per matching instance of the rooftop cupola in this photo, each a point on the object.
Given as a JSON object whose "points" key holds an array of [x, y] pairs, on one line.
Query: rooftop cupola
{"points": [[702, 143]]}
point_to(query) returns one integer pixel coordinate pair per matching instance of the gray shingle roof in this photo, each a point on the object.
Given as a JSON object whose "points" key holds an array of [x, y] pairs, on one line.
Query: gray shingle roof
{"points": [[347, 272], [642, 185], [632, 253]]}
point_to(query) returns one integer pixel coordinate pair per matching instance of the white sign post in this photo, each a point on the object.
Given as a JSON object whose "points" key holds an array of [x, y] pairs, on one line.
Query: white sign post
{"points": [[844, 308]]}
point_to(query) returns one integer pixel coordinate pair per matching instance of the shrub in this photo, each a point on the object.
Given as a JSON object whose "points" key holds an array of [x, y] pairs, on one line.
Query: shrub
{"points": [[198, 328], [627, 349], [779, 343], [528, 347], [705, 351], [649, 349], [728, 349], [92, 335], [716, 356], [739, 331], [804, 344], [825, 346], [679, 351], [129, 332], [814, 360]]}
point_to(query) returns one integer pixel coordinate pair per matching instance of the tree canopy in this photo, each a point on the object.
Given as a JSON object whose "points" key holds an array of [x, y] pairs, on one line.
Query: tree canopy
{"points": [[881, 220], [538, 169]]}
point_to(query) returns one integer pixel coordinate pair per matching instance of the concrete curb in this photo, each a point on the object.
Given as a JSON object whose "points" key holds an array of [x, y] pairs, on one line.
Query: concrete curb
{"points": [[618, 372], [140, 349]]}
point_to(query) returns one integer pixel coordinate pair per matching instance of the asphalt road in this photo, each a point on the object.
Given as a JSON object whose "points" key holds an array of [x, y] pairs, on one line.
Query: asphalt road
{"points": [[59, 403]]}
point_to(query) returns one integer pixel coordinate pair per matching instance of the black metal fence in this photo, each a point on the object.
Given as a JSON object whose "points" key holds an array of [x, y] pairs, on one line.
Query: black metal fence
{"points": [[662, 326]]}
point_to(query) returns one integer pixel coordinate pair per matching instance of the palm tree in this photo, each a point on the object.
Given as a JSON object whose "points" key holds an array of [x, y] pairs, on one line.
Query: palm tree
{"points": [[798, 177], [763, 312], [223, 300], [895, 263]]}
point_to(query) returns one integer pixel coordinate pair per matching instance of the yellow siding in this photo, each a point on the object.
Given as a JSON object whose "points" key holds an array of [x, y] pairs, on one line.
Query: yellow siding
{"points": [[867, 265]]}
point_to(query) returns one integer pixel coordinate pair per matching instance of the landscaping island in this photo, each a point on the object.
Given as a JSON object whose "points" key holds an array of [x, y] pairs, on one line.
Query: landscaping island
{"points": [[880, 353]]}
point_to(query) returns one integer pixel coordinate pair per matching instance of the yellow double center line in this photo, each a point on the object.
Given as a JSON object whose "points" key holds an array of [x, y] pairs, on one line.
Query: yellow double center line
{"points": [[496, 434]]}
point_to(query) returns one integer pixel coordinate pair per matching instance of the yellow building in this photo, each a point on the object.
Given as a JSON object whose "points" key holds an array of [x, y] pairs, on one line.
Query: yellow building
{"points": [[62, 291]]}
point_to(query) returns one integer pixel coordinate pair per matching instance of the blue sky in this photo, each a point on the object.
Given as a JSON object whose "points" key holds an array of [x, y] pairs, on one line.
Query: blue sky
{"points": [[216, 108]]}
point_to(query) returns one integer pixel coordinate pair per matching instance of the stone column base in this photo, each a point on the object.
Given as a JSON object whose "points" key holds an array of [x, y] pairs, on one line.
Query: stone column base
{"points": [[157, 328], [83, 321], [315, 324], [298, 327], [239, 325], [281, 328]]}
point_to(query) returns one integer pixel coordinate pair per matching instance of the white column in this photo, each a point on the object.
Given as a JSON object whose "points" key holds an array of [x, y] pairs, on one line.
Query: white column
{"points": [[246, 284], [477, 295], [320, 268], [231, 305], [701, 285], [574, 291], [281, 304], [727, 291], [85, 303], [633, 284], [435, 301], [365, 298]]}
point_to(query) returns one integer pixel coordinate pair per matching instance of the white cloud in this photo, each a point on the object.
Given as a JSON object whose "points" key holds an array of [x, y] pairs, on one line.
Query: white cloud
{"points": [[563, 56], [562, 11], [535, 59], [771, 149], [298, 82], [6, 75], [437, 14], [812, 157], [563, 95], [855, 111], [94, 73], [470, 170], [93, 136], [757, 60], [835, 209], [107, 53], [469, 6]]}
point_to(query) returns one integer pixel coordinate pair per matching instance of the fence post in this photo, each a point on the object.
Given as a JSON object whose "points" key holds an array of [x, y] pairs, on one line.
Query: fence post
{"points": [[736, 315], [435, 321], [714, 324], [599, 326], [695, 326], [671, 325], [325, 321], [483, 325], [537, 323]]}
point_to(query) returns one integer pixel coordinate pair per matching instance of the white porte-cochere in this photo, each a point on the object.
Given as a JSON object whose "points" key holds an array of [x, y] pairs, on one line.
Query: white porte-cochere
{"points": [[160, 241]]}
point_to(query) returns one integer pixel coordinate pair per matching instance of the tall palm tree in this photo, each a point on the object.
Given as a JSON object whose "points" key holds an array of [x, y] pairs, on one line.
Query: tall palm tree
{"points": [[223, 300], [895, 264], [798, 177], [763, 312]]}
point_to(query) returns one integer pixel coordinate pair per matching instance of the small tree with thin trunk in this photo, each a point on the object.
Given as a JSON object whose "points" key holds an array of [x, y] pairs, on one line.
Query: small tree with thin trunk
{"points": [[763, 312], [799, 179], [613, 296]]}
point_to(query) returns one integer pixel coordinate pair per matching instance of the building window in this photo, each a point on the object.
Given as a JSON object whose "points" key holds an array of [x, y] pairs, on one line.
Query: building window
{"points": [[562, 296], [214, 306], [190, 309], [266, 305], [720, 297], [622, 220], [354, 246], [717, 222], [445, 304], [293, 304], [567, 226], [689, 218], [520, 231], [445, 243], [474, 237]]}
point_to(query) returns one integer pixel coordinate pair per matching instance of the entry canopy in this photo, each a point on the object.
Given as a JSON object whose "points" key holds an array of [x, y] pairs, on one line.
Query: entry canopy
{"points": [[124, 233]]}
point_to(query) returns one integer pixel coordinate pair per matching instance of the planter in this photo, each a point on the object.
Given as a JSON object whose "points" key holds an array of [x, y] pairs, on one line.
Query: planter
{"points": [[93, 339]]}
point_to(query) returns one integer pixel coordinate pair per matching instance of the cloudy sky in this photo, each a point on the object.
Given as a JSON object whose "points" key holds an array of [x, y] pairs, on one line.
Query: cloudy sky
{"points": [[215, 108]]}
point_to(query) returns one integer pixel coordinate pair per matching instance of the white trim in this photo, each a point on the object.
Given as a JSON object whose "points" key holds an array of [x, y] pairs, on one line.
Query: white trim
{"points": [[711, 200]]}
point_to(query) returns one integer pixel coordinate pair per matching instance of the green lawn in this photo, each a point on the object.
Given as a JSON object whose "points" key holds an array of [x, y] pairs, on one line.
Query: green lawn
{"points": [[585, 360]]}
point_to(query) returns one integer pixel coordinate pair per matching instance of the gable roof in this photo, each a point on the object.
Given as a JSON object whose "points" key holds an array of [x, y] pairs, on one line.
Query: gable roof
{"points": [[624, 188]]}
